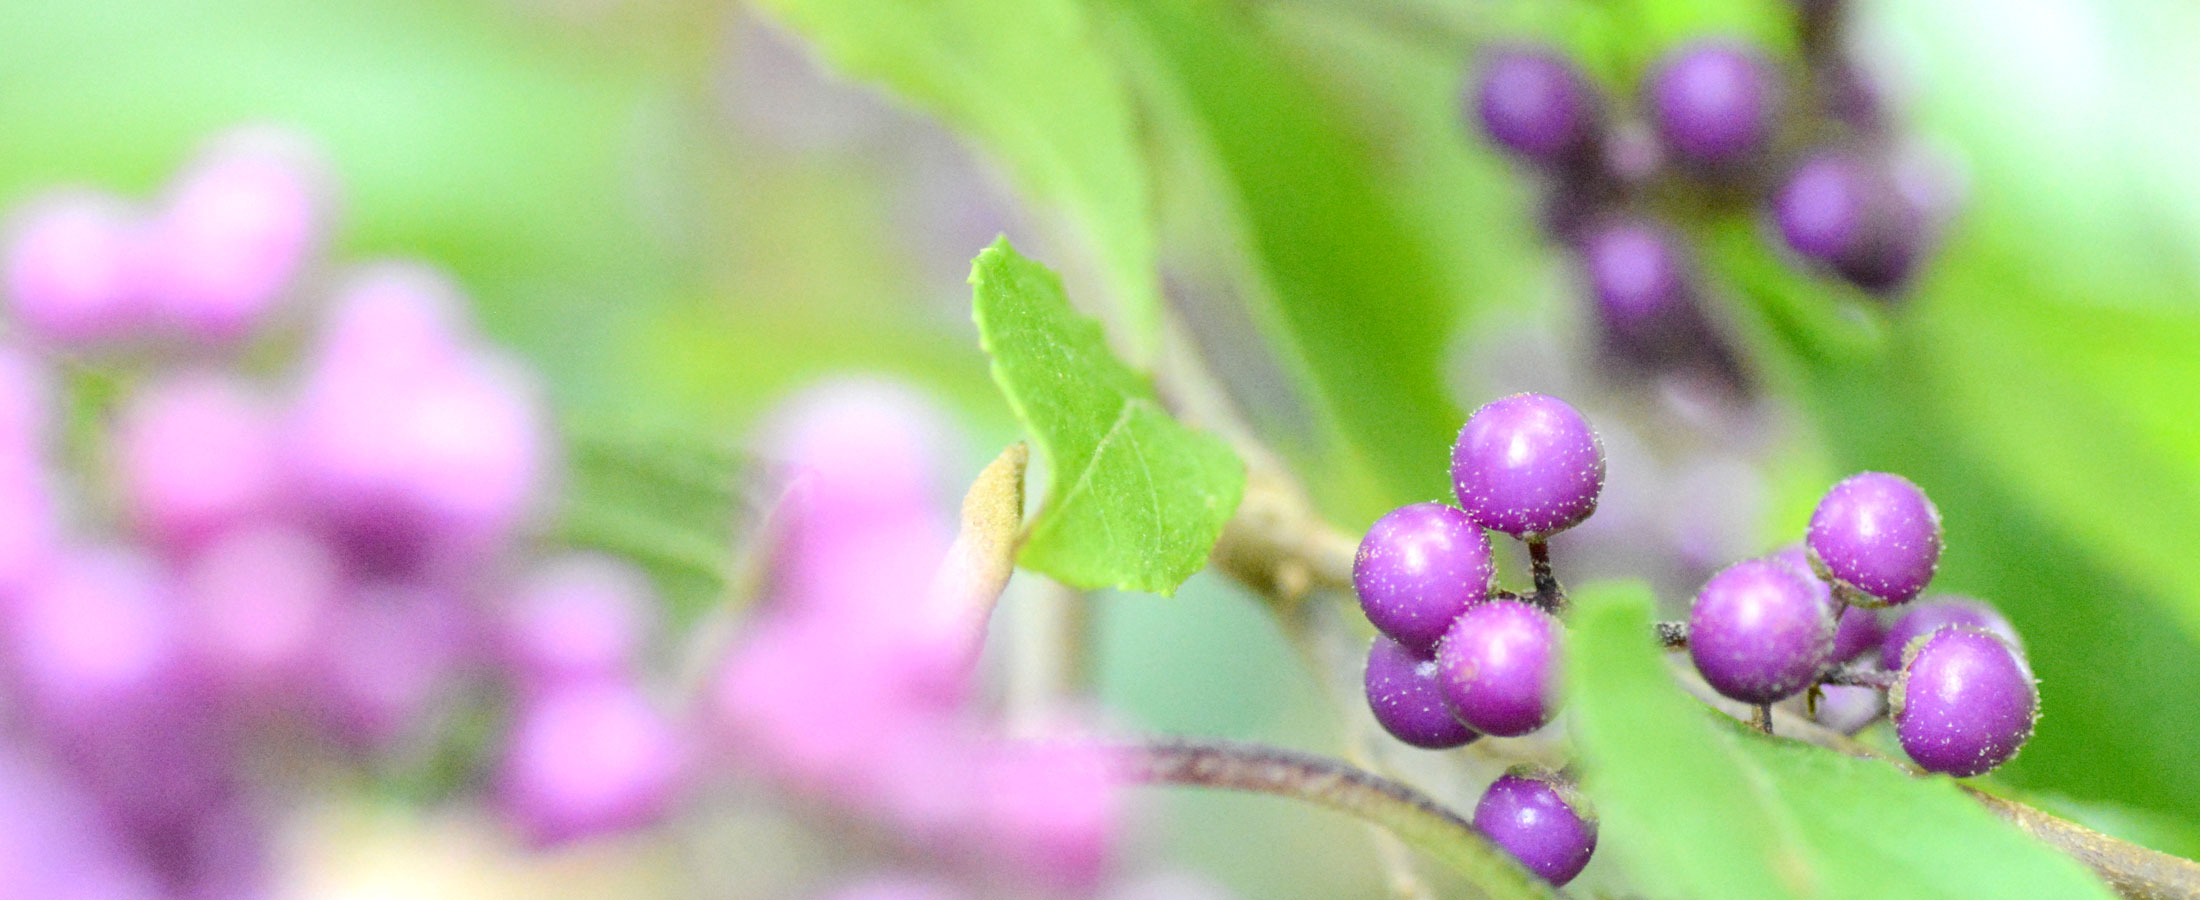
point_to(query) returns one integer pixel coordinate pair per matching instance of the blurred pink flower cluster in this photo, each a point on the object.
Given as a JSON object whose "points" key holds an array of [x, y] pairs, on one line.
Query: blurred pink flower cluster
{"points": [[846, 687], [239, 571]]}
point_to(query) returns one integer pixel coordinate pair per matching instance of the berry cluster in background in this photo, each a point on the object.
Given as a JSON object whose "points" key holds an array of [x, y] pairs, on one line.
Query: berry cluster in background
{"points": [[1459, 658], [267, 572], [1718, 129]]}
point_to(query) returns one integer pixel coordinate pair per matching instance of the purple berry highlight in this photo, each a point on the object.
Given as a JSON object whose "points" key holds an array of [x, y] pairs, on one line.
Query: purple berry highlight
{"points": [[1965, 702], [1539, 823], [1499, 668], [1759, 631], [1408, 701], [1419, 567], [74, 268], [1844, 211], [1876, 535], [1528, 465]]}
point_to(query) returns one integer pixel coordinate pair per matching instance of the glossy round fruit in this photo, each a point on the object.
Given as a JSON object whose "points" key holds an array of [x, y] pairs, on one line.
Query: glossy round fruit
{"points": [[73, 270], [1536, 105], [1419, 567], [1713, 103], [1528, 465], [1759, 631], [1927, 616], [1965, 702], [1499, 668], [1878, 535], [1539, 824], [1403, 692], [1859, 632]]}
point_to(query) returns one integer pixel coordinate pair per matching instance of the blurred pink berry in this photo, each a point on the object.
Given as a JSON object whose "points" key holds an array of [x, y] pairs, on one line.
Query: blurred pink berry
{"points": [[589, 758], [256, 605], [389, 662], [95, 641], [579, 617], [74, 265], [198, 455], [237, 228], [1052, 808]]}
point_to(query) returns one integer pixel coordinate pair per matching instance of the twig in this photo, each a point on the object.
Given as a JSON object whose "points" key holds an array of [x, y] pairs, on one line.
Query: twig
{"points": [[1403, 811]]}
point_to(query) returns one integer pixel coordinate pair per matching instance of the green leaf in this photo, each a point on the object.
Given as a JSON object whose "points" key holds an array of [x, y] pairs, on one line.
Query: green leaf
{"points": [[1136, 500], [671, 503], [1345, 287], [1699, 807], [1025, 80]]}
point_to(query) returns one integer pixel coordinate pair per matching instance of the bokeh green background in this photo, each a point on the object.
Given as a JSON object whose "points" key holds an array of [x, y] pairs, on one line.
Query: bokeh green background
{"points": [[669, 210]]}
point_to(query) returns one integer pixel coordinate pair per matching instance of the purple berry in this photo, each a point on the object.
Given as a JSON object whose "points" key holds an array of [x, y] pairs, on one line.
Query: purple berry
{"points": [[1539, 823], [1877, 535], [1419, 567], [1528, 465], [588, 758], [237, 229], [74, 270], [1498, 667], [1403, 692], [1714, 104], [256, 604], [197, 455], [1643, 286], [1759, 631], [1965, 702], [1536, 105], [1858, 632], [1847, 708], [1930, 615], [1843, 211]]}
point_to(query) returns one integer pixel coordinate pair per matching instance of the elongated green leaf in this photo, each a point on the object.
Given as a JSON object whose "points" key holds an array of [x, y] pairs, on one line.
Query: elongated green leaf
{"points": [[1136, 499], [1024, 79], [1699, 807], [1348, 292]]}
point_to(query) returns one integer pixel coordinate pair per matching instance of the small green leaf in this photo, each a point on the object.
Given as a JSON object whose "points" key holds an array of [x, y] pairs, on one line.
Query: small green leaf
{"points": [[1024, 79], [1136, 499], [673, 504], [1698, 807]]}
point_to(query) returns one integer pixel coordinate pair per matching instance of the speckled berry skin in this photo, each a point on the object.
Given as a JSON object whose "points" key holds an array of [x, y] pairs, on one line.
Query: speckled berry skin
{"points": [[1533, 821], [1714, 104], [1498, 667], [1859, 632], [1878, 535], [1759, 631], [1536, 105], [1929, 615], [1419, 567], [1965, 702], [1528, 465], [1403, 693]]}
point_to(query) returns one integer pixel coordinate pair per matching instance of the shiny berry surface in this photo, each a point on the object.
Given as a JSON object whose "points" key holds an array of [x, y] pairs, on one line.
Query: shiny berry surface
{"points": [[1536, 105], [1965, 702], [1759, 631], [1499, 668], [1528, 465], [1878, 535], [1403, 693], [1713, 103], [1533, 820], [1419, 567], [1926, 616]]}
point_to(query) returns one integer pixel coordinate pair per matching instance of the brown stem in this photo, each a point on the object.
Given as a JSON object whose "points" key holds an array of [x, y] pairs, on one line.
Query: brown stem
{"points": [[1547, 592], [1405, 812]]}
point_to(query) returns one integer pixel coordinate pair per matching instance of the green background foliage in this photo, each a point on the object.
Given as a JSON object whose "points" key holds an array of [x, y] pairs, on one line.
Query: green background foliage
{"points": [[1291, 167]]}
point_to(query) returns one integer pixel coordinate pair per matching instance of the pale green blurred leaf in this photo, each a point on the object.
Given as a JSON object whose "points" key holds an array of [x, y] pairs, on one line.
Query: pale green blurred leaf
{"points": [[1699, 807], [1136, 499], [1025, 79]]}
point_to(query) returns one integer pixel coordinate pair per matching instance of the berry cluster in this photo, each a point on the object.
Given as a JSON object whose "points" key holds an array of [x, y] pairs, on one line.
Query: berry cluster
{"points": [[1959, 691], [1722, 128], [1457, 658], [259, 576]]}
